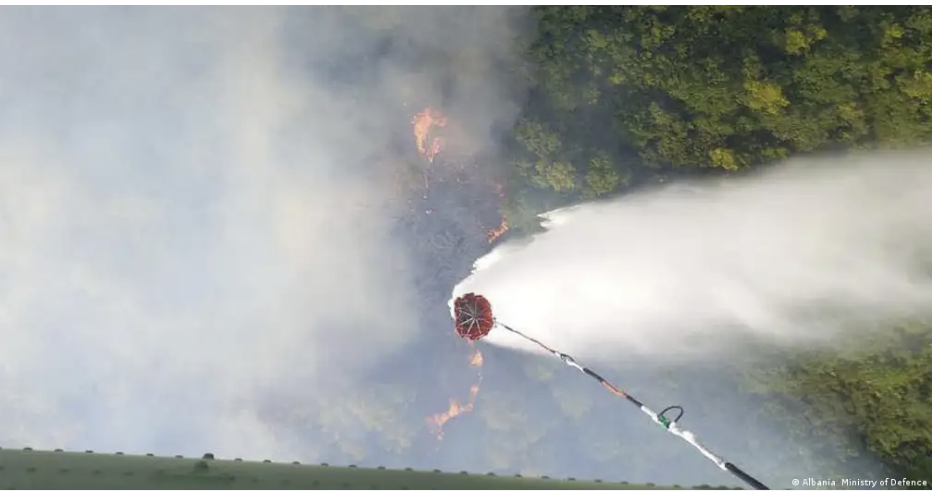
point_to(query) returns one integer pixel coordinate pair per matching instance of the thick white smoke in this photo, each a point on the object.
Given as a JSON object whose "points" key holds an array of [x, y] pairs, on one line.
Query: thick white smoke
{"points": [[196, 214], [792, 254]]}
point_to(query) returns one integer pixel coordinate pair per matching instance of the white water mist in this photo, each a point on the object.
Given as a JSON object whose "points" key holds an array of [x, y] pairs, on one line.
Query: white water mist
{"points": [[798, 253]]}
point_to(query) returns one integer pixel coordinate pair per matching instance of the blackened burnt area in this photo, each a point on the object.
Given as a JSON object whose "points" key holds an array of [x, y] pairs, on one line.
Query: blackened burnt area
{"points": [[446, 231]]}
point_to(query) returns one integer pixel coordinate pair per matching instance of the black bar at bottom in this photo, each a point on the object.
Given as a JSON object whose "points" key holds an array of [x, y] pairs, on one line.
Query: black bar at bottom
{"points": [[747, 478]]}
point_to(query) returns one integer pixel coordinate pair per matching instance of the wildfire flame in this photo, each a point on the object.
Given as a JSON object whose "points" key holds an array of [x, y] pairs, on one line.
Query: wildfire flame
{"points": [[434, 149], [492, 235], [455, 408], [477, 360], [422, 124]]}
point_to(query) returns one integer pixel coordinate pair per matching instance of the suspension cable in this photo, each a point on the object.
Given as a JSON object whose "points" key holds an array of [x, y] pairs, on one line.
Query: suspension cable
{"points": [[670, 424]]}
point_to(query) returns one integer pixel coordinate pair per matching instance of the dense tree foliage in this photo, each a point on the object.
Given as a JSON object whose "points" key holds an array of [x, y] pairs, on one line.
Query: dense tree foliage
{"points": [[873, 397], [627, 94]]}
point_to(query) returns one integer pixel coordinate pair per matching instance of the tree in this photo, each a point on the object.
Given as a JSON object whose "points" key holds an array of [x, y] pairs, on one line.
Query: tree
{"points": [[558, 175], [875, 396], [602, 177]]}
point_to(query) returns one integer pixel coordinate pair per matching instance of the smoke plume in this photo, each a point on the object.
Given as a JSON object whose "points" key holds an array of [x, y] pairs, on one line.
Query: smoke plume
{"points": [[195, 213]]}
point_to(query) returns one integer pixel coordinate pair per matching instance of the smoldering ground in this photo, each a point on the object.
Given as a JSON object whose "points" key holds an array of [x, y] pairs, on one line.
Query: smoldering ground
{"points": [[194, 213]]}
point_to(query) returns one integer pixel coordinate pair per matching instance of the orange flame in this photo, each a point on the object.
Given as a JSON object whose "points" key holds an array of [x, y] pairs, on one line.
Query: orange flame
{"points": [[422, 124], [434, 149], [437, 422], [492, 235], [477, 360]]}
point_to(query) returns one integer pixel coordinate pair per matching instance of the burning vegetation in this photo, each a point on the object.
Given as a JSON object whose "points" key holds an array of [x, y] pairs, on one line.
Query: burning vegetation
{"points": [[437, 421], [428, 132], [425, 127]]}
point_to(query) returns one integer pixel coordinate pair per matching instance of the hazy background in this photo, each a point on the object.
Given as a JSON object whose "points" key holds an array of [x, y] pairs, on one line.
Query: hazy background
{"points": [[200, 251]]}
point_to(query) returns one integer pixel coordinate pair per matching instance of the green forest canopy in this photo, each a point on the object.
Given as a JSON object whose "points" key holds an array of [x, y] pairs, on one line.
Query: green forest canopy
{"points": [[623, 92], [622, 95]]}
